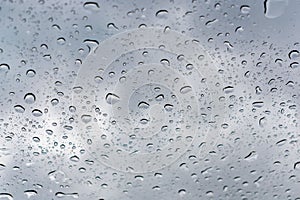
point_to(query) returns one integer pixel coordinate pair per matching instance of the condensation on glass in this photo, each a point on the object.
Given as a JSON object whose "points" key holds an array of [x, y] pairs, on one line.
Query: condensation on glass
{"points": [[149, 99]]}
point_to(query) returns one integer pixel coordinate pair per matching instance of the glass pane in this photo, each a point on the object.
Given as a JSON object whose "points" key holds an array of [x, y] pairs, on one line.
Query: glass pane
{"points": [[149, 99]]}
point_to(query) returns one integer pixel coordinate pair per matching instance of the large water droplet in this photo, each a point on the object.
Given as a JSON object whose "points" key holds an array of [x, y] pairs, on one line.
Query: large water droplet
{"points": [[185, 89], [92, 6], [29, 98], [30, 193], [86, 118], [19, 108], [274, 8], [37, 113], [4, 67], [112, 98]]}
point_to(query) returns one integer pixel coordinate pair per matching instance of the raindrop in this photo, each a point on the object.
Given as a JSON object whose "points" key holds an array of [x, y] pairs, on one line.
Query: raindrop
{"points": [[92, 6], [297, 165], [182, 192], [294, 65], [112, 26], [160, 97], [61, 41], [30, 73], [168, 107], [258, 104], [251, 156], [30, 193], [112, 98], [19, 108], [4, 67], [294, 54], [61, 194], [228, 89], [86, 118], [36, 139], [281, 142], [245, 9], [74, 158], [29, 98], [143, 105], [6, 196], [274, 8], [37, 113], [54, 102], [185, 89], [162, 14]]}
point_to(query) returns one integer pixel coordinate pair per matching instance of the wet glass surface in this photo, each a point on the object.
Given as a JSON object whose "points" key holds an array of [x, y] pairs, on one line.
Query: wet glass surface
{"points": [[149, 99]]}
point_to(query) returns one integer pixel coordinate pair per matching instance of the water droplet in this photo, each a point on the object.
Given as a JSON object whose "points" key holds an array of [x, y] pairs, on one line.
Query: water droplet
{"points": [[61, 194], [4, 67], [162, 14], [245, 9], [281, 142], [37, 113], [29, 98], [112, 26], [86, 118], [19, 108], [258, 104], [30, 73], [294, 65], [61, 41], [182, 192], [294, 54], [112, 98], [54, 102], [30, 193], [74, 158], [297, 165], [92, 6], [228, 89], [6, 196], [168, 107], [143, 105], [185, 89], [274, 8], [159, 97], [251, 156], [36, 139]]}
